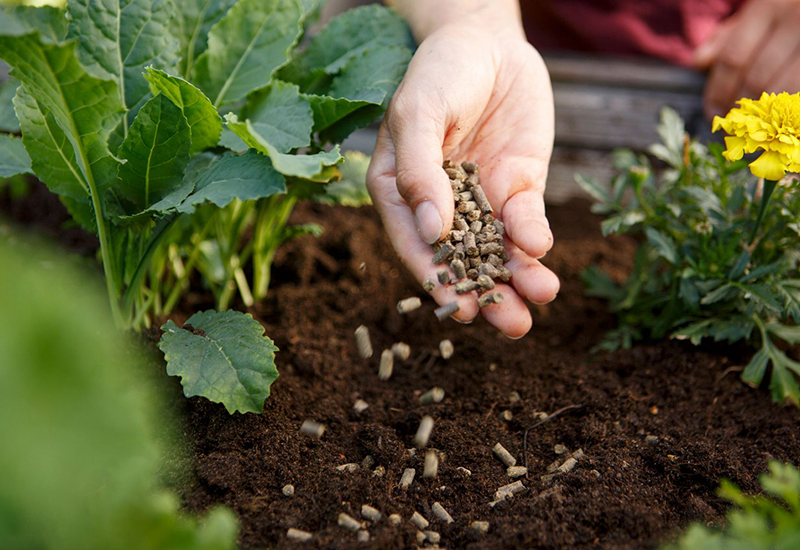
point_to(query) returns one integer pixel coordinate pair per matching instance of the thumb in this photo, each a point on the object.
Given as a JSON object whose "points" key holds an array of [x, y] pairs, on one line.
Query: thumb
{"points": [[421, 181]]}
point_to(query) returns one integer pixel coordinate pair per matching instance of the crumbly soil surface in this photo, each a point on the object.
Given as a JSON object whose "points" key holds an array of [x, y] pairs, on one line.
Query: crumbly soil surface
{"points": [[624, 493]]}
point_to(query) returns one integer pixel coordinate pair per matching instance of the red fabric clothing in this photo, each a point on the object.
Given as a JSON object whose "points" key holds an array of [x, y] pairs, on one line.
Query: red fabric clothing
{"points": [[670, 29]]}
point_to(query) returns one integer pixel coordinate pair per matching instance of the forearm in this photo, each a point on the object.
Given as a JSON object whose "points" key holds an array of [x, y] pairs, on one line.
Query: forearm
{"points": [[426, 16]]}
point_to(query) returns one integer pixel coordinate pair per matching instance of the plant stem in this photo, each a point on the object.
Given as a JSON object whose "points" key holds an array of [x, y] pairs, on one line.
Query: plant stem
{"points": [[769, 188], [273, 214], [105, 252], [194, 255]]}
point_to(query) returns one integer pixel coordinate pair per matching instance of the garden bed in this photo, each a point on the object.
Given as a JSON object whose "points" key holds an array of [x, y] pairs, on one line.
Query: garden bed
{"points": [[625, 492]]}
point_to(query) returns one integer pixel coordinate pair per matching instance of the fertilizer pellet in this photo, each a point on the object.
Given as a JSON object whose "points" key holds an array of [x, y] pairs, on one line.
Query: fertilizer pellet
{"points": [[428, 285], [473, 215], [568, 465], [490, 248], [408, 305], [459, 269], [431, 465], [363, 342], [314, 429], [349, 522], [446, 310], [514, 397], [363, 536], [485, 282], [480, 526], [470, 248], [559, 449], [433, 537], [446, 349], [433, 395], [485, 300], [407, 478], [489, 270], [504, 456], [368, 462], [467, 286], [387, 365], [651, 440], [480, 198], [360, 406], [516, 471], [401, 350], [298, 535], [467, 207], [508, 490], [421, 537], [508, 416], [577, 455], [350, 467], [370, 513], [395, 519], [288, 490], [476, 226], [443, 253], [423, 432], [469, 167], [443, 276], [463, 471], [439, 511], [418, 520], [380, 471], [456, 173]]}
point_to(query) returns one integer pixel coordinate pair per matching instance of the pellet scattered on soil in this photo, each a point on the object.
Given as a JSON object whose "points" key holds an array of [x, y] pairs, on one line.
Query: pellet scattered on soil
{"points": [[363, 342], [559, 449], [508, 490], [350, 467], [401, 350], [349, 522], [480, 526], [395, 519], [651, 440], [360, 406], [446, 349], [418, 520], [516, 471], [407, 478], [464, 471], [363, 536], [507, 416], [504, 456], [311, 428], [439, 511], [475, 242], [370, 513], [433, 537], [514, 397], [446, 310], [431, 465], [298, 535], [368, 462], [387, 365], [288, 490], [408, 305], [568, 465], [423, 432], [433, 395]]}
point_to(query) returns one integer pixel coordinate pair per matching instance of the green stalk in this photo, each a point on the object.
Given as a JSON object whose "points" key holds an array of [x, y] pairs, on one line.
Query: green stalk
{"points": [[132, 292], [769, 188], [109, 270], [272, 218], [194, 255]]}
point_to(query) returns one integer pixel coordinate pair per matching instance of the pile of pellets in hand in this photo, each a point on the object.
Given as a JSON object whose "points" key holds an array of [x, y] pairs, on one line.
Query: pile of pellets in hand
{"points": [[474, 247]]}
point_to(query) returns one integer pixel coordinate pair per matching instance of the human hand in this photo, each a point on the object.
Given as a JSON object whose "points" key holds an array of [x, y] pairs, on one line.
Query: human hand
{"points": [[479, 92], [756, 50]]}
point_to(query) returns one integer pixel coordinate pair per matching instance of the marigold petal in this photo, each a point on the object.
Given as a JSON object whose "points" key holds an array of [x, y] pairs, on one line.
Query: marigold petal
{"points": [[734, 148], [769, 166]]}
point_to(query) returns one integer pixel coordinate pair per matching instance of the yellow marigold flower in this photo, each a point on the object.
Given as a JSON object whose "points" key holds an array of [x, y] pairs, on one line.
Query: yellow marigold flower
{"points": [[770, 124]]}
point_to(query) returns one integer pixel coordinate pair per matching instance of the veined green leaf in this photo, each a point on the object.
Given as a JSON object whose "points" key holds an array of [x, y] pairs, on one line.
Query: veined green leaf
{"points": [[664, 245], [156, 151], [246, 47], [119, 38], [50, 22], [8, 118], [593, 188], [244, 177], [311, 167], [193, 19], [754, 372], [330, 110], [351, 190], [13, 158], [378, 68], [346, 37], [281, 116], [203, 118], [85, 110], [222, 356]]}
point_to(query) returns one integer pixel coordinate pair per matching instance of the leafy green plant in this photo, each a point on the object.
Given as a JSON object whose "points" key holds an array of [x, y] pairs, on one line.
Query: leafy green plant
{"points": [[120, 107], [709, 265], [84, 447], [769, 522]]}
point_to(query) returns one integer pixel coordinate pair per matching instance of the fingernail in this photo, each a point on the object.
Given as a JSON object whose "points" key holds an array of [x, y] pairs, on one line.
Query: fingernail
{"points": [[512, 337], [457, 320], [429, 222]]}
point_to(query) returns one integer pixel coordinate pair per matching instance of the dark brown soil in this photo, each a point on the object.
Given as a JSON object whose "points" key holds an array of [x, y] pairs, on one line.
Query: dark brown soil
{"points": [[623, 494]]}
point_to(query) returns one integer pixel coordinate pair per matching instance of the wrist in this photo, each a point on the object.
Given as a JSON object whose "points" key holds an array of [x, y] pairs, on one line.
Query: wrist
{"points": [[426, 17]]}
